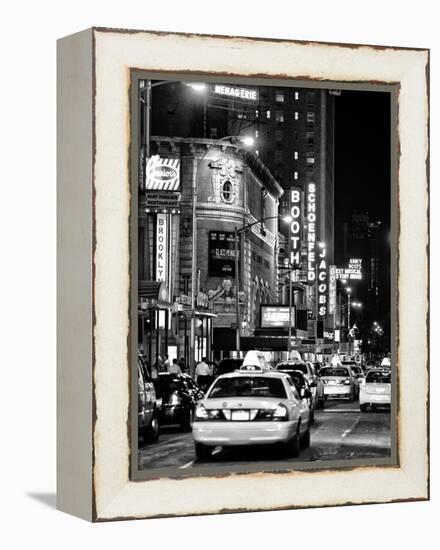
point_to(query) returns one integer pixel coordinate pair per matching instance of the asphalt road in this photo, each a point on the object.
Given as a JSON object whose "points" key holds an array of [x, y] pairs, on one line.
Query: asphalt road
{"points": [[340, 431]]}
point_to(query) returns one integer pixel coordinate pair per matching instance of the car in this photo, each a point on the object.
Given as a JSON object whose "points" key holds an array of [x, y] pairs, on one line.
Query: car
{"points": [[304, 389], [148, 406], [246, 407], [376, 389], [314, 381], [179, 396], [339, 382]]}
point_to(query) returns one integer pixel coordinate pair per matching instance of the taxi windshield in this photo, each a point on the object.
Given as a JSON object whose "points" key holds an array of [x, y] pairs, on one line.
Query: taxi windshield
{"points": [[292, 366], [378, 378], [247, 386], [333, 371]]}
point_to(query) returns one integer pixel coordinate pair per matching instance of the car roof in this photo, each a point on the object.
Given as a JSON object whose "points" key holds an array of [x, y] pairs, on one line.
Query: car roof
{"points": [[263, 374], [291, 362]]}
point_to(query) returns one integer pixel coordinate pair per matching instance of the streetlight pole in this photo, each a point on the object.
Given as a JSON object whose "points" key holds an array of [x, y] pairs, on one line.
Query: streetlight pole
{"points": [[237, 299], [237, 232], [348, 317], [289, 344]]}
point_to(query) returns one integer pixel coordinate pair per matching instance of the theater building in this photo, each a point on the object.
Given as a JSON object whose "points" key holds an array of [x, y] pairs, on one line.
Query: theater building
{"points": [[192, 257]]}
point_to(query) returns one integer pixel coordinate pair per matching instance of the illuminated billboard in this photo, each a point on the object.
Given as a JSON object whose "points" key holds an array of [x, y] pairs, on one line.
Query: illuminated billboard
{"points": [[322, 282], [311, 231], [221, 250], [162, 174], [296, 213], [332, 290], [276, 316], [236, 92], [351, 273]]}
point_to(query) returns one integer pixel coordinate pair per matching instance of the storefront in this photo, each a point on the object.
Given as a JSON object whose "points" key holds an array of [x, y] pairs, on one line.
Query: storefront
{"points": [[154, 315]]}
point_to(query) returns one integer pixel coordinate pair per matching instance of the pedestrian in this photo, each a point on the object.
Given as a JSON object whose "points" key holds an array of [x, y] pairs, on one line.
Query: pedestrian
{"points": [[167, 363], [182, 364], [203, 374], [174, 368]]}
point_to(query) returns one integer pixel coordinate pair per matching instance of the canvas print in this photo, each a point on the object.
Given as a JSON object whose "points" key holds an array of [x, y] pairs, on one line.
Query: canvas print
{"points": [[264, 280]]}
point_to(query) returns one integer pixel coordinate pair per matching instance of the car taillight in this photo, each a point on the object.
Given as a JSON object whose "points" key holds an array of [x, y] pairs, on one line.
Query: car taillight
{"points": [[174, 399], [347, 381], [201, 413], [280, 413]]}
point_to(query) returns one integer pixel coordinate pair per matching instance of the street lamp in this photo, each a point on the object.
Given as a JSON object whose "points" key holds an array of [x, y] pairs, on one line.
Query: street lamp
{"points": [[237, 232], [146, 87]]}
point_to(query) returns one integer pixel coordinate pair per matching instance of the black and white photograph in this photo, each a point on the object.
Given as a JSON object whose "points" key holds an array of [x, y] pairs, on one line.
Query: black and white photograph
{"points": [[264, 274]]}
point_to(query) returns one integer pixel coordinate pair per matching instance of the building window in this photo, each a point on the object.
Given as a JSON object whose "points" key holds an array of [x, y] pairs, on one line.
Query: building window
{"points": [[295, 155], [266, 264], [296, 115], [259, 259], [310, 158], [213, 133], [279, 116], [310, 117], [256, 133], [310, 138], [295, 136], [278, 136], [278, 156], [311, 97], [227, 192], [295, 175], [256, 113], [267, 114], [296, 96], [279, 97]]}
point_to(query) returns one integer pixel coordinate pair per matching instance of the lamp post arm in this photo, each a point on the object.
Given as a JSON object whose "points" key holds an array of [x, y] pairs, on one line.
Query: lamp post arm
{"points": [[249, 225]]}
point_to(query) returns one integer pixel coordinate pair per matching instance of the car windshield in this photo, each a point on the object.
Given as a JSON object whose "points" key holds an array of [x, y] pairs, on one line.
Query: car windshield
{"points": [[298, 378], [248, 386], [167, 385], [229, 365], [378, 378], [334, 371], [292, 366]]}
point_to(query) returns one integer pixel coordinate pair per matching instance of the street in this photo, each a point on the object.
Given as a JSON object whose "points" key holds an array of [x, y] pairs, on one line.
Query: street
{"points": [[340, 431]]}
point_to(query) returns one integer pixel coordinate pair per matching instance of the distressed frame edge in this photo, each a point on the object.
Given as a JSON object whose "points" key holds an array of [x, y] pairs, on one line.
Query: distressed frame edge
{"points": [[75, 121]]}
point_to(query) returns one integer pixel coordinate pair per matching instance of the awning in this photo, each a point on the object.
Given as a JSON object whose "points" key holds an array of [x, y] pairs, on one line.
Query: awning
{"points": [[197, 313], [155, 292]]}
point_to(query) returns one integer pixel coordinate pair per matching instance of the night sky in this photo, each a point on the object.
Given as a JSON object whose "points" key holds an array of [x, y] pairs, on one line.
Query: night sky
{"points": [[362, 158], [362, 174]]}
